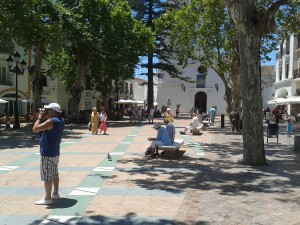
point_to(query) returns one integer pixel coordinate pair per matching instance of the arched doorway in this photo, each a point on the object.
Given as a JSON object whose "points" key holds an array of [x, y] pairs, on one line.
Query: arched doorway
{"points": [[201, 100]]}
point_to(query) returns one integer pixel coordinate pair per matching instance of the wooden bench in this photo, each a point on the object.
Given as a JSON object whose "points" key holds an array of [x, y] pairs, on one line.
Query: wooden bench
{"points": [[172, 150]]}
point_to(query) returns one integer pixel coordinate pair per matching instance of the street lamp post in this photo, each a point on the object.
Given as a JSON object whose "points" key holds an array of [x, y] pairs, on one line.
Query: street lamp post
{"points": [[17, 71]]}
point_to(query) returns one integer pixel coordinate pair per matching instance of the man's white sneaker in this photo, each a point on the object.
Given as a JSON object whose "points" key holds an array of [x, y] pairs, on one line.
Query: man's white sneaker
{"points": [[44, 202], [55, 196]]}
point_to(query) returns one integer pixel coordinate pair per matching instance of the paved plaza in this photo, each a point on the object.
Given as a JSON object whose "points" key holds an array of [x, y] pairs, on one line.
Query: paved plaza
{"points": [[207, 185]]}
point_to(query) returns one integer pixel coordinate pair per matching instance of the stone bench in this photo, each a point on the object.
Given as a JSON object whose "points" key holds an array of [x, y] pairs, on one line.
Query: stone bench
{"points": [[171, 150], [205, 124]]}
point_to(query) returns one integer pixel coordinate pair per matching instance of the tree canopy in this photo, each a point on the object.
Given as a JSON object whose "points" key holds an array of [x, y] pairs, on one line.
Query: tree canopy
{"points": [[74, 36]]}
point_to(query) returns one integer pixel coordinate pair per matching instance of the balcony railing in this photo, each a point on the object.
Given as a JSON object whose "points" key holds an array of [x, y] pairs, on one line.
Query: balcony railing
{"points": [[296, 73]]}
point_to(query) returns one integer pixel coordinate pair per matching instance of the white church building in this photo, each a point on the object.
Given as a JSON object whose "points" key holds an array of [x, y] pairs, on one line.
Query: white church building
{"points": [[206, 90]]}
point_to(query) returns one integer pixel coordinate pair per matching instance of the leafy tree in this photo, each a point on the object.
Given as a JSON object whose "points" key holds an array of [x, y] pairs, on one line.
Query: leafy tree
{"points": [[101, 36], [149, 11], [254, 20], [203, 31], [33, 24]]}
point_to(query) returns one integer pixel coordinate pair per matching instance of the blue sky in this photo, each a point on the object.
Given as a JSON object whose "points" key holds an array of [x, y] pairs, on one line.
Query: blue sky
{"points": [[272, 55]]}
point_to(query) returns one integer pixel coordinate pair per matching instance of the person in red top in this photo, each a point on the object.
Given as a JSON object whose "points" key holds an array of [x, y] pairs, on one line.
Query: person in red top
{"points": [[276, 113]]}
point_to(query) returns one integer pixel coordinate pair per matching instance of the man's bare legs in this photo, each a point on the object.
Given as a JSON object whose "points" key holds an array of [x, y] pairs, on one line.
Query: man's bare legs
{"points": [[48, 187], [55, 182]]}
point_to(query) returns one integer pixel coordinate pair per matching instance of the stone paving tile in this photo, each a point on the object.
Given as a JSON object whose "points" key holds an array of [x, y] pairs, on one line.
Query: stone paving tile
{"points": [[72, 178], [6, 157], [19, 178], [22, 205], [83, 160]]}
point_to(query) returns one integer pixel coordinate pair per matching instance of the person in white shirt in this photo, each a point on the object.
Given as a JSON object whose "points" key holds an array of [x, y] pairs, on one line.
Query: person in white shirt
{"points": [[151, 114], [103, 119], [194, 125]]}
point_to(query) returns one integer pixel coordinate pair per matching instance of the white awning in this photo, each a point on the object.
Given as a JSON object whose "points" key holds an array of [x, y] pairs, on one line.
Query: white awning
{"points": [[293, 99], [282, 101], [124, 101], [138, 102], [277, 101], [3, 101]]}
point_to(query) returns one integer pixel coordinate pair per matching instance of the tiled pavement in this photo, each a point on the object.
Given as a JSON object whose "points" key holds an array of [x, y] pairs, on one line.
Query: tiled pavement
{"points": [[207, 185]]}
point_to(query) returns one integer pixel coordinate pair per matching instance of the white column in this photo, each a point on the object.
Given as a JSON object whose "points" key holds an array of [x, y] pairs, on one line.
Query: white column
{"points": [[292, 53]]}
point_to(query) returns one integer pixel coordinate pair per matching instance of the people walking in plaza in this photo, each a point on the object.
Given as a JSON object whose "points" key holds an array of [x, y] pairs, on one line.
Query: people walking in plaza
{"points": [[162, 139], [289, 127], [212, 115], [7, 122], [169, 115], [139, 114], [195, 124], [103, 119], [268, 114], [276, 113], [94, 120], [82, 114], [235, 119], [151, 114], [171, 130], [191, 112], [177, 111], [52, 131]]}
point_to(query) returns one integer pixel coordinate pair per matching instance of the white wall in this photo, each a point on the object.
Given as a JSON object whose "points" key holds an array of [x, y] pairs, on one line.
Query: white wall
{"points": [[268, 93], [171, 88]]}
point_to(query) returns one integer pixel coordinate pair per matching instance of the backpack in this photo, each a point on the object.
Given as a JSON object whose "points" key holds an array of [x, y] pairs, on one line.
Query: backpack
{"points": [[148, 151]]}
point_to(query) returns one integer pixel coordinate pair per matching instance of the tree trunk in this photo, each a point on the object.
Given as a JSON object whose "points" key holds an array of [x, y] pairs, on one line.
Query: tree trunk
{"points": [[150, 82], [233, 93], [150, 61], [35, 72], [78, 87], [253, 136], [235, 90], [236, 84], [244, 15], [105, 102]]}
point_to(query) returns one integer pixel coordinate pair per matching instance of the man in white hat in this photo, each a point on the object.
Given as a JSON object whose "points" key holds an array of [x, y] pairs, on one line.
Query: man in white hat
{"points": [[161, 139], [52, 132]]}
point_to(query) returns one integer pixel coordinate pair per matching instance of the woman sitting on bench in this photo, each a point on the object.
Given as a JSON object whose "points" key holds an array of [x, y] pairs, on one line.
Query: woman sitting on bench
{"points": [[194, 125], [162, 138]]}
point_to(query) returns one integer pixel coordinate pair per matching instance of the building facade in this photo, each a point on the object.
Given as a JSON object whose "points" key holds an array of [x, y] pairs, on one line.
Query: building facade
{"points": [[287, 83], [267, 84], [205, 90]]}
